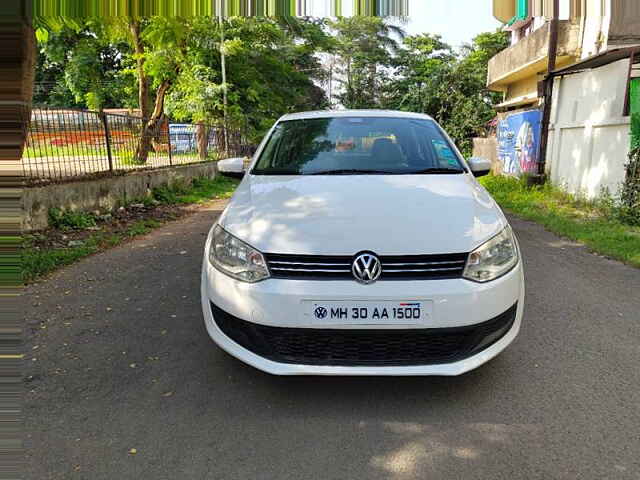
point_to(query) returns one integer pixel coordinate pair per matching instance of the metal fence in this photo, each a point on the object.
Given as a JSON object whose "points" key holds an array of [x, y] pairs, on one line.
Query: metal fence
{"points": [[69, 144]]}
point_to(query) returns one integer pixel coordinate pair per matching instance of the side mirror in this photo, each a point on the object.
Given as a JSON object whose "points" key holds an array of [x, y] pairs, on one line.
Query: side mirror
{"points": [[479, 166], [232, 167]]}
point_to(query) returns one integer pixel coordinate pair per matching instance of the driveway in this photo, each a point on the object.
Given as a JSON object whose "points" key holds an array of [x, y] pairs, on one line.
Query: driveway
{"points": [[119, 359]]}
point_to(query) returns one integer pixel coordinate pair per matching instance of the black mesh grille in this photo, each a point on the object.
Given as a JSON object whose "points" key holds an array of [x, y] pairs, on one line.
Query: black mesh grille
{"points": [[310, 346], [338, 267]]}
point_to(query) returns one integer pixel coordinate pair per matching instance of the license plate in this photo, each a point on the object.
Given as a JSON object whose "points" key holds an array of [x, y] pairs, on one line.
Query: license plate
{"points": [[365, 312]]}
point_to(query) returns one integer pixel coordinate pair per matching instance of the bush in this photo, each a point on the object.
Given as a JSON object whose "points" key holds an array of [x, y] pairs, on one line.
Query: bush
{"points": [[629, 209], [170, 194], [67, 220]]}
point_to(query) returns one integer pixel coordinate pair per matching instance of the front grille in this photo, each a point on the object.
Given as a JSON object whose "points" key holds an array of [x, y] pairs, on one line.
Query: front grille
{"points": [[390, 347], [338, 267]]}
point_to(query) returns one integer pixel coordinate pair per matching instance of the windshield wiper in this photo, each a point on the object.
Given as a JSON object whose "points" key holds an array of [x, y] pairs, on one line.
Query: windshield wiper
{"points": [[436, 171], [351, 172]]}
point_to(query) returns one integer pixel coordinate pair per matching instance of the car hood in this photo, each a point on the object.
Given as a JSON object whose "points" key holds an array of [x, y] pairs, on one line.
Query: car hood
{"points": [[343, 215]]}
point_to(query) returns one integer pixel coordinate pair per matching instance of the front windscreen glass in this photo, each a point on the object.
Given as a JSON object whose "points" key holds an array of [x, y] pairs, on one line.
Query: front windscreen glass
{"points": [[357, 145]]}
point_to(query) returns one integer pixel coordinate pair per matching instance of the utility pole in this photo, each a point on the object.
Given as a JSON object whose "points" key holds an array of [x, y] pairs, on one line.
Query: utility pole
{"points": [[331, 83], [548, 87], [224, 75]]}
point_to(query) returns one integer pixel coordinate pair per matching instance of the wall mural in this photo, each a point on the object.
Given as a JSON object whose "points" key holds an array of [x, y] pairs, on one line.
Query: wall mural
{"points": [[518, 142]]}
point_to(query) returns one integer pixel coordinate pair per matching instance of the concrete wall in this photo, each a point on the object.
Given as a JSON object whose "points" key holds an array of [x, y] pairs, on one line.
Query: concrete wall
{"points": [[590, 140], [609, 24], [103, 194], [488, 148], [528, 56], [526, 86], [595, 25], [625, 23]]}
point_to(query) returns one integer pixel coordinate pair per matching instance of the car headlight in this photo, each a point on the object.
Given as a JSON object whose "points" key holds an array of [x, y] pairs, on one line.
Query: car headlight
{"points": [[235, 258], [492, 259]]}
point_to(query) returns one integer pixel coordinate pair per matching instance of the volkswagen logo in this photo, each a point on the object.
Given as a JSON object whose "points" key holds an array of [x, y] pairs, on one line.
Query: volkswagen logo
{"points": [[366, 268], [321, 312]]}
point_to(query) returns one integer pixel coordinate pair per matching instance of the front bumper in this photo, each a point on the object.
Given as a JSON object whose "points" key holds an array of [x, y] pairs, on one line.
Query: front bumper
{"points": [[276, 304]]}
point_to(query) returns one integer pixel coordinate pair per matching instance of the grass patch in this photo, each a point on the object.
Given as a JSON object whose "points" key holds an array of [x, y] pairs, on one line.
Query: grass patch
{"points": [[201, 190], [45, 252], [37, 261], [142, 227], [45, 149], [596, 224]]}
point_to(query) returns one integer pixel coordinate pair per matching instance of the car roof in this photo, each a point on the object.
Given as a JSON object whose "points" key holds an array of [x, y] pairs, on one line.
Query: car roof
{"points": [[353, 113]]}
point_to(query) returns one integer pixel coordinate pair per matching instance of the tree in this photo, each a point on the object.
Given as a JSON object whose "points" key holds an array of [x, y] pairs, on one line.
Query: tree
{"points": [[273, 69], [22, 37], [271, 65], [163, 60], [134, 27], [432, 78], [80, 66], [365, 47]]}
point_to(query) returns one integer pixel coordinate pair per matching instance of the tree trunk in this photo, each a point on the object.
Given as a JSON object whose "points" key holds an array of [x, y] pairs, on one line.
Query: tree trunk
{"points": [[373, 72], [28, 74], [18, 41], [143, 81], [152, 126], [349, 84], [202, 140]]}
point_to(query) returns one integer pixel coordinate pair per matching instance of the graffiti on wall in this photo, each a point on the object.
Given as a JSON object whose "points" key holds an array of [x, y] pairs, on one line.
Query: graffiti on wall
{"points": [[518, 141]]}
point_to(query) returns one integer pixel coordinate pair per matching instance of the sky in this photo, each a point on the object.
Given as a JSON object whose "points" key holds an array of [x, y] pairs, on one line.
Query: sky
{"points": [[458, 21]]}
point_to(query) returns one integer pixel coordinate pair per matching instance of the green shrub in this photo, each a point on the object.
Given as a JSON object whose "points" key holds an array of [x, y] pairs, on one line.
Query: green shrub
{"points": [[164, 194], [68, 220], [629, 209]]}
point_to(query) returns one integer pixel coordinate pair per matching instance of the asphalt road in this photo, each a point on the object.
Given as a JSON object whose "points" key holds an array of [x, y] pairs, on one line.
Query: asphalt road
{"points": [[119, 359]]}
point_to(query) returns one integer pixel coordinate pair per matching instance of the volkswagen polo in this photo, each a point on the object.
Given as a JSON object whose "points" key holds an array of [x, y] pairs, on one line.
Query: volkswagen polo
{"points": [[361, 243]]}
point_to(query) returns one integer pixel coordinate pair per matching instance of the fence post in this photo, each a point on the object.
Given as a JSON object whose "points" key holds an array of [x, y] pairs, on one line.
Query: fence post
{"points": [[169, 142], [107, 137]]}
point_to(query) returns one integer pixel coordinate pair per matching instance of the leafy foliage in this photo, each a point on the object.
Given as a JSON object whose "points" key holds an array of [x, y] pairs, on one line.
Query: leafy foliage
{"points": [[270, 72], [80, 67], [274, 66], [630, 193], [68, 220], [450, 86], [365, 47]]}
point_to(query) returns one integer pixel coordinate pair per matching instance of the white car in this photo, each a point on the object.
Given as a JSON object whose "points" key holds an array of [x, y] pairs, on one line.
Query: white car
{"points": [[360, 243]]}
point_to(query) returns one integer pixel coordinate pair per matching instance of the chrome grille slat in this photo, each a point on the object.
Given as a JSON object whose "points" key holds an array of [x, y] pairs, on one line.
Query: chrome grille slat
{"points": [[309, 270], [424, 263], [389, 270], [311, 263], [394, 267]]}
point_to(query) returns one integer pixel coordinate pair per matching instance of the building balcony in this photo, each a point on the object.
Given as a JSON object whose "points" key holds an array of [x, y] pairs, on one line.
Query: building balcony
{"points": [[528, 57]]}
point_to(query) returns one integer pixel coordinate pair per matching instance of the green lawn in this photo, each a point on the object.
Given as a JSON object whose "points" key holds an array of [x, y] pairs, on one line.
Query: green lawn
{"points": [[595, 224], [122, 155], [77, 150]]}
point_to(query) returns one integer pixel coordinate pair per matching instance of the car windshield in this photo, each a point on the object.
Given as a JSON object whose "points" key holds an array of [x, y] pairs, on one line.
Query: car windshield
{"points": [[357, 145]]}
